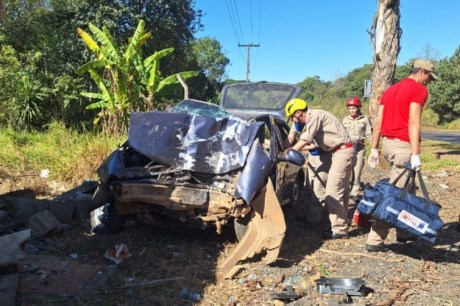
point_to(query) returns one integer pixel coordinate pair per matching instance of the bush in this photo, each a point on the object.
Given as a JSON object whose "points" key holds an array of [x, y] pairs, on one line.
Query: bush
{"points": [[69, 156], [429, 118]]}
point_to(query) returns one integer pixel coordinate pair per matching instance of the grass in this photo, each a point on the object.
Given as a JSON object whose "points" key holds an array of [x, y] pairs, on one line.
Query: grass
{"points": [[438, 155], [69, 156]]}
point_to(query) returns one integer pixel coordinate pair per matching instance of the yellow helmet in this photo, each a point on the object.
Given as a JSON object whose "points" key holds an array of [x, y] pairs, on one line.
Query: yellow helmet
{"points": [[294, 105]]}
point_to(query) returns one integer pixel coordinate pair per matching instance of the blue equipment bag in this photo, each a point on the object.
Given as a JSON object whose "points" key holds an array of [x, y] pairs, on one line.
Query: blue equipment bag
{"points": [[398, 207]]}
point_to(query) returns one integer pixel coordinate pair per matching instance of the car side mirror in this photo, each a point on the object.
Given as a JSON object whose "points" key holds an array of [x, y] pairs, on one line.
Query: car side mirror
{"points": [[292, 156]]}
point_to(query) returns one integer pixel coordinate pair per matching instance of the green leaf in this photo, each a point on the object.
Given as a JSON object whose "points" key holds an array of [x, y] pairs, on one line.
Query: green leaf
{"points": [[88, 40], [102, 87], [157, 55], [109, 36], [172, 79], [135, 41], [92, 95], [94, 65], [108, 48], [153, 76], [144, 38], [188, 74], [97, 105]]}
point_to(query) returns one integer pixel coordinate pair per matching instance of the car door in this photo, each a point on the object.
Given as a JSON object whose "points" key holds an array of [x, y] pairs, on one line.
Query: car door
{"points": [[290, 177]]}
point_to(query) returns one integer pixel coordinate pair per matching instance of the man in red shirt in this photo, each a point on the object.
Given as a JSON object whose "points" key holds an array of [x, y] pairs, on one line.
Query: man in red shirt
{"points": [[399, 123]]}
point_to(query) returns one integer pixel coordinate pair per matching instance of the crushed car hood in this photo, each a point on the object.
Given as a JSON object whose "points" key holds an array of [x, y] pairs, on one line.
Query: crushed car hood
{"points": [[193, 142]]}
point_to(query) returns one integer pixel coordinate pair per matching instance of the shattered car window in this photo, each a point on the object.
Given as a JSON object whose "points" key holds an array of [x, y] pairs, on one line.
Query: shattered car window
{"points": [[199, 108]]}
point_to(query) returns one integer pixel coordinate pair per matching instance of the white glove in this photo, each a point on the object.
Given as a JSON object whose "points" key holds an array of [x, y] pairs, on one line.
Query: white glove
{"points": [[415, 162], [373, 159]]}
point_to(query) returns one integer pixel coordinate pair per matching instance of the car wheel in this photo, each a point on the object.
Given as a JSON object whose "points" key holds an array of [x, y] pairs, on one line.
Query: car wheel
{"points": [[114, 223], [241, 226]]}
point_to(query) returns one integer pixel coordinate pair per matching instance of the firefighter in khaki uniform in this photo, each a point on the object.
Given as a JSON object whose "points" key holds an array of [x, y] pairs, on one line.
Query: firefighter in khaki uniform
{"points": [[318, 166], [359, 128], [328, 133]]}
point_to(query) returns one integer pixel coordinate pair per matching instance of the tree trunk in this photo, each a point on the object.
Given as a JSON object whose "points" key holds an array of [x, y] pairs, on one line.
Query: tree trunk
{"points": [[385, 35]]}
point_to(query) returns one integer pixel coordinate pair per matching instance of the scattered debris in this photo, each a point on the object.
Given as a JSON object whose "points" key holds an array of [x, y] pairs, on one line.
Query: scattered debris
{"points": [[70, 207], [250, 277], [348, 286], [150, 283], [443, 174], [42, 274], [44, 173], [42, 223], [118, 254], [11, 247], [95, 219], [288, 294], [190, 296], [232, 301]]}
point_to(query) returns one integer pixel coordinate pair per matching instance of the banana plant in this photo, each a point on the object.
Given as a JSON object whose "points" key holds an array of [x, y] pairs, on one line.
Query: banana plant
{"points": [[155, 85], [122, 77]]}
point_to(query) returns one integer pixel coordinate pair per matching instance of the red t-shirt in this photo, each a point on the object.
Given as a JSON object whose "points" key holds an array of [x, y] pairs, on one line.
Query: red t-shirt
{"points": [[396, 101]]}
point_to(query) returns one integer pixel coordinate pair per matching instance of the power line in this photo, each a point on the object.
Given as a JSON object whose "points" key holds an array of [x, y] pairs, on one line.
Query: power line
{"points": [[232, 21], [250, 17], [260, 18], [238, 19], [258, 34]]}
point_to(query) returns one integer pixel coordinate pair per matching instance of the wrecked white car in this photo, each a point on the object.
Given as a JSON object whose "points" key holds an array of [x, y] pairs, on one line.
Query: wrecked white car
{"points": [[204, 165]]}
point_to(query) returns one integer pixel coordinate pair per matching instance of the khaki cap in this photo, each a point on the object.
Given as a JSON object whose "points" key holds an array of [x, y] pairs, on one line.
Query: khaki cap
{"points": [[426, 65]]}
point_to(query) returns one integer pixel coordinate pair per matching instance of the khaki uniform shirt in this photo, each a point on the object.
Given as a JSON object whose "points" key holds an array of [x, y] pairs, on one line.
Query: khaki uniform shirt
{"points": [[358, 128], [323, 129]]}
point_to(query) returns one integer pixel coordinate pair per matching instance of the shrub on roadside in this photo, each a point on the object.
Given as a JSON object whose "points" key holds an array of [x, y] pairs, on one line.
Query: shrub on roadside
{"points": [[69, 156]]}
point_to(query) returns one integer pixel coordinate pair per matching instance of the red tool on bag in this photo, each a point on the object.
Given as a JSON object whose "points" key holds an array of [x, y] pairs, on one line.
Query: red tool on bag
{"points": [[361, 220]]}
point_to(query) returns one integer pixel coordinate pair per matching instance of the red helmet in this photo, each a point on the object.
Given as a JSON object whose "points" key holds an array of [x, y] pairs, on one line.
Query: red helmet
{"points": [[353, 101]]}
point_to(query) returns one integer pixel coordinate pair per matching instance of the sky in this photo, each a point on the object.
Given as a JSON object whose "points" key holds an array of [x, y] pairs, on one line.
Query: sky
{"points": [[326, 38]]}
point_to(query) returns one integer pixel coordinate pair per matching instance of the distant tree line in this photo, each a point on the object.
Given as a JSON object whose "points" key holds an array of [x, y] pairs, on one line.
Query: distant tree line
{"points": [[444, 98]]}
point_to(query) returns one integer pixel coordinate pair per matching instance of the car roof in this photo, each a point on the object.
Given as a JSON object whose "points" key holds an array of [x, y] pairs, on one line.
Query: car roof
{"points": [[254, 99]]}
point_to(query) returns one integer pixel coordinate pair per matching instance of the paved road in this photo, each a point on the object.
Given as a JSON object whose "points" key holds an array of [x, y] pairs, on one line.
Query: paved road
{"points": [[453, 137]]}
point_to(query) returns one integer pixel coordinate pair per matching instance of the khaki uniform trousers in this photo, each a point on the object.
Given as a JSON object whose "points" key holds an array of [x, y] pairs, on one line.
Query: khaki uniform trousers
{"points": [[317, 169], [396, 152], [360, 161], [338, 188]]}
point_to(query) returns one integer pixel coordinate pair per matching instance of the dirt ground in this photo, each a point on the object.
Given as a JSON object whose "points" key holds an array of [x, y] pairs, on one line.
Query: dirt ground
{"points": [[165, 263]]}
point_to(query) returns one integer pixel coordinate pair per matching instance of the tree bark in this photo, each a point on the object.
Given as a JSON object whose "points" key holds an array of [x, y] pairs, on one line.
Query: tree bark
{"points": [[385, 37]]}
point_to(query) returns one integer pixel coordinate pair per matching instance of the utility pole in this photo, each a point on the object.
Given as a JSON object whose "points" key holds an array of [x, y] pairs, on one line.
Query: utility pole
{"points": [[249, 46]]}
